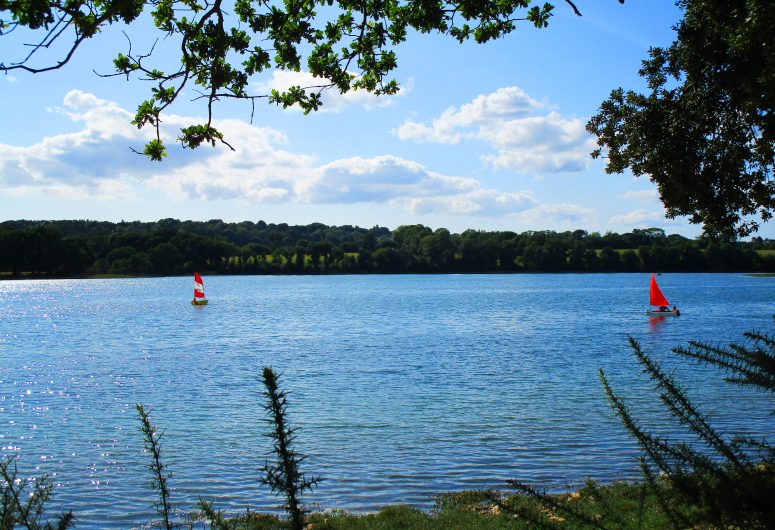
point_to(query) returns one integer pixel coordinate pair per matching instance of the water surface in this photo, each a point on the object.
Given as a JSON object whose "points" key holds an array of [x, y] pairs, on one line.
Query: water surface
{"points": [[403, 387]]}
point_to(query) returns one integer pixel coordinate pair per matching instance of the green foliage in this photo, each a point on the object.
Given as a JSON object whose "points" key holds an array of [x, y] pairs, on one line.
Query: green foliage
{"points": [[751, 365], [718, 482], [160, 475], [169, 247], [283, 475], [727, 482], [155, 150], [346, 45], [615, 506], [247, 521], [705, 132], [214, 517], [22, 501], [194, 135]]}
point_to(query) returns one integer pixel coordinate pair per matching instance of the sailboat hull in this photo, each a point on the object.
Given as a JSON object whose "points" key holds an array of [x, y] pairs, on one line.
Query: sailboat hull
{"points": [[657, 313], [198, 302]]}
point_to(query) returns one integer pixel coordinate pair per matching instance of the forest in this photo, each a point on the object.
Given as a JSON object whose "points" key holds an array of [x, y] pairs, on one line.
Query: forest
{"points": [[81, 248]]}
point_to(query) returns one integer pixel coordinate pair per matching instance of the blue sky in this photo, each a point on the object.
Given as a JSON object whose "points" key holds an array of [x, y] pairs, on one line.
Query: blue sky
{"points": [[486, 137]]}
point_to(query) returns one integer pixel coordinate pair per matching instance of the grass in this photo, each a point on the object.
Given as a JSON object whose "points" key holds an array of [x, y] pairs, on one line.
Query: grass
{"points": [[619, 505]]}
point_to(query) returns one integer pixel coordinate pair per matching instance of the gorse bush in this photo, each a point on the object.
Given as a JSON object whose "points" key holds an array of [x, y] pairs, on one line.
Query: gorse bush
{"points": [[726, 481], [751, 364], [283, 475], [23, 502], [718, 482], [157, 467]]}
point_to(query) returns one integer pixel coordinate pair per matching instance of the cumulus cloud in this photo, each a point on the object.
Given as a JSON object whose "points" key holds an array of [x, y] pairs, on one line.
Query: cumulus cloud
{"points": [[96, 162], [259, 170], [394, 180], [559, 214], [333, 100], [378, 179], [82, 161], [527, 135], [644, 196], [640, 217], [480, 202]]}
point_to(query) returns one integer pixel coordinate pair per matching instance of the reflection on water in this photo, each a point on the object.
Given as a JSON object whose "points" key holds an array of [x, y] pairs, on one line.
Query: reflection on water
{"points": [[402, 386], [656, 322]]}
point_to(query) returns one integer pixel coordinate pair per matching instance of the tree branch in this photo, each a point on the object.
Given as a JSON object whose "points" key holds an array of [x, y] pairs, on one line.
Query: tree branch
{"points": [[576, 10]]}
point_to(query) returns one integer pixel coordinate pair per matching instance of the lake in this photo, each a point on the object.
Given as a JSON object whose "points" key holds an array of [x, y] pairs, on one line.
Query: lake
{"points": [[402, 387]]}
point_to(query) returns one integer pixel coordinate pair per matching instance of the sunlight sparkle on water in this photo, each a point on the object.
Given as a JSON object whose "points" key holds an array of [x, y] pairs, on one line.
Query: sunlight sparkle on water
{"points": [[402, 387]]}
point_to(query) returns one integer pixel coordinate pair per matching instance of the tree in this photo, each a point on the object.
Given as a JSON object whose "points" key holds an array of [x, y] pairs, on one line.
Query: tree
{"points": [[609, 260], [705, 134], [408, 242], [165, 258], [438, 249], [221, 45], [388, 260]]}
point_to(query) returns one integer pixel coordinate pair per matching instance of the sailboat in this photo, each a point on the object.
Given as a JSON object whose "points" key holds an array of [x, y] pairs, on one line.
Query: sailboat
{"points": [[658, 299], [199, 291]]}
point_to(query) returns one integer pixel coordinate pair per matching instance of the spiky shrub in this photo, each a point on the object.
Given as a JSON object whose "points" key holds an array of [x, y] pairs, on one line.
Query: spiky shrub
{"points": [[751, 365], [722, 481], [23, 502], [214, 517], [726, 481], [283, 475], [719, 482], [157, 467]]}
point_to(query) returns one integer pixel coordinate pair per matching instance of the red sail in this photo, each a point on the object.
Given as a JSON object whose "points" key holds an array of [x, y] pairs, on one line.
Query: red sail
{"points": [[655, 295], [199, 288]]}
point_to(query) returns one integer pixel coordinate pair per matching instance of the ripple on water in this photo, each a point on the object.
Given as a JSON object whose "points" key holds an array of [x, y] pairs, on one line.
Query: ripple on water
{"points": [[402, 387]]}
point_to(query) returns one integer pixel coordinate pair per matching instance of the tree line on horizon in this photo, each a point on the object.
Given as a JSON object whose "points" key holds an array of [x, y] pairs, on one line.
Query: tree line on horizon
{"points": [[170, 247]]}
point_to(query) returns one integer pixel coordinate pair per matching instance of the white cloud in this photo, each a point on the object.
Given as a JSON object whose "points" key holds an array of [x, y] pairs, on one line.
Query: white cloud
{"points": [[562, 215], [528, 136], [644, 196], [440, 132], [394, 180], [257, 171], [639, 217], [96, 162], [480, 202], [648, 218], [82, 162], [333, 100], [380, 178]]}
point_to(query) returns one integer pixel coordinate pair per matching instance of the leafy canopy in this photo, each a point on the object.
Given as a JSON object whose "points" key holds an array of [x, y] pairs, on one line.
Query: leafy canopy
{"points": [[346, 44], [705, 132]]}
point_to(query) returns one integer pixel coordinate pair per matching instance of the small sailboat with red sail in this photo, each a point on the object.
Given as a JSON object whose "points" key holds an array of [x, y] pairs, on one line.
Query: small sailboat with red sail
{"points": [[656, 298], [199, 291]]}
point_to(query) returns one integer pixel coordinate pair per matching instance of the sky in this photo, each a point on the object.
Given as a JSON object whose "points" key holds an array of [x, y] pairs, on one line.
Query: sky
{"points": [[486, 137]]}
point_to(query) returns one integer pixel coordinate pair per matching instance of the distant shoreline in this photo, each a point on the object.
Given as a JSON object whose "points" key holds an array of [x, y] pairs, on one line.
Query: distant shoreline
{"points": [[9, 277]]}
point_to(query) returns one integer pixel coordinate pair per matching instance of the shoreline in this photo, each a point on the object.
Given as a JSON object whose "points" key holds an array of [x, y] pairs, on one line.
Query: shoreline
{"points": [[9, 277]]}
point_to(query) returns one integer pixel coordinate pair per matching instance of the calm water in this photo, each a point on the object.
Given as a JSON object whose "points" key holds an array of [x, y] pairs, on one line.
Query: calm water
{"points": [[402, 386]]}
